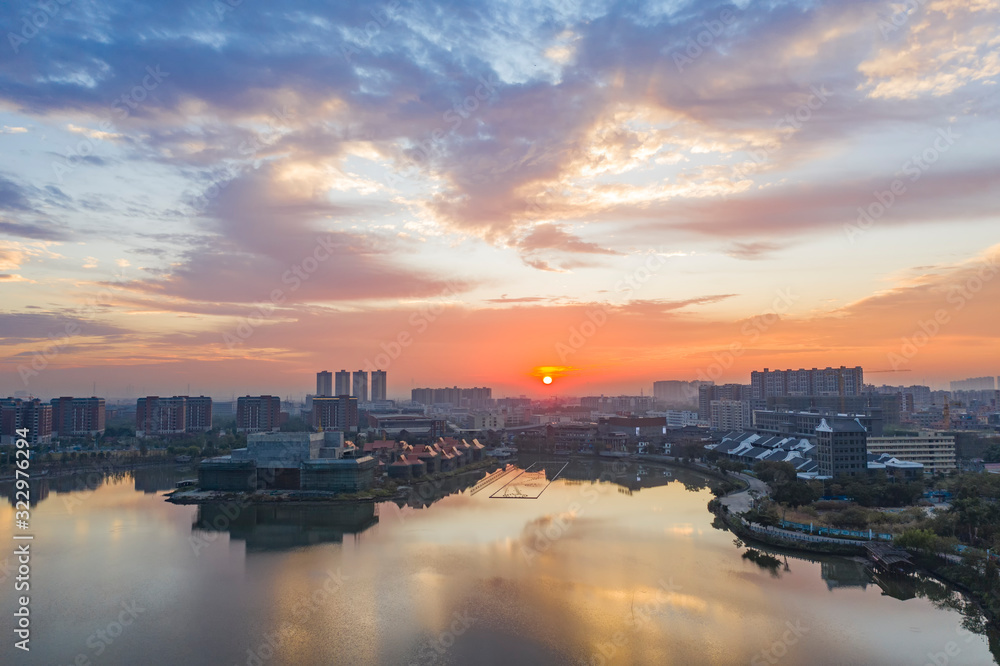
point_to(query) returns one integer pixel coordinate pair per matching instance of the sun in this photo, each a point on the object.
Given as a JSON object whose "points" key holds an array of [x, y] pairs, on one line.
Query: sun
{"points": [[546, 379]]}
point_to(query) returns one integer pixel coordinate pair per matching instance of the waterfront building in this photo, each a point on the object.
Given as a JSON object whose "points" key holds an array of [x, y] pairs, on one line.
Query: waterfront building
{"points": [[17, 414], [78, 417]]}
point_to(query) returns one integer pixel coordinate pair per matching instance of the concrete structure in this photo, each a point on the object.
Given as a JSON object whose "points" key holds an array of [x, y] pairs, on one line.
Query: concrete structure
{"points": [[324, 383], [78, 417], [488, 421], [342, 383], [359, 386], [709, 392], [676, 393], [339, 413], [379, 386], [290, 461], [260, 413], [974, 384], [160, 416], [803, 424], [198, 414], [842, 381], [476, 397], [227, 475], [342, 475], [619, 404], [17, 414], [730, 415], [935, 450], [841, 447]]}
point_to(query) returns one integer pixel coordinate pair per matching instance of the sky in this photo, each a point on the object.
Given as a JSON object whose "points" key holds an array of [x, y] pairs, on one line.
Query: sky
{"points": [[227, 197]]}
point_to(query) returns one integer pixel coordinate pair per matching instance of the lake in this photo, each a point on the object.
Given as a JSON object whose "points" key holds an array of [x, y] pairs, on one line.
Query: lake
{"points": [[608, 564]]}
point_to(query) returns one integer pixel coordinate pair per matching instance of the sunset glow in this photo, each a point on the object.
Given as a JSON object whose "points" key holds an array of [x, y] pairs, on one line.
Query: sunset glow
{"points": [[596, 192]]}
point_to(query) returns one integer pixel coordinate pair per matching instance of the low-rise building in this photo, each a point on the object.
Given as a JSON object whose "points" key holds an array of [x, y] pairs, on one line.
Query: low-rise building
{"points": [[934, 449]]}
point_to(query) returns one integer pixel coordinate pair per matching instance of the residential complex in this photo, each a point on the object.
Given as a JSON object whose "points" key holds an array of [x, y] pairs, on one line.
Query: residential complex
{"points": [[78, 417], [33, 414], [359, 386], [324, 383], [934, 449], [177, 415], [378, 386], [335, 413], [261, 413], [842, 381]]}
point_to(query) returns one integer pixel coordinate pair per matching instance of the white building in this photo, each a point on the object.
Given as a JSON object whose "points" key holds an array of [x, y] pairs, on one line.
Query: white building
{"points": [[934, 449]]}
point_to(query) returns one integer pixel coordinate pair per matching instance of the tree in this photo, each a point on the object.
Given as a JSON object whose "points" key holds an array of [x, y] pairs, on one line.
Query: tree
{"points": [[919, 539], [143, 448], [992, 454]]}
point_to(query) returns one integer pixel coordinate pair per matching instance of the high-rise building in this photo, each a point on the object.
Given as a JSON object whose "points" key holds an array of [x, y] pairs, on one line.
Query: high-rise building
{"points": [[359, 386], [77, 417], [841, 447], [709, 392], [258, 413], [478, 397], [378, 386], [31, 414], [975, 384], [842, 381], [160, 416], [172, 416], [676, 392], [198, 416], [324, 383], [336, 413], [730, 415], [342, 383]]}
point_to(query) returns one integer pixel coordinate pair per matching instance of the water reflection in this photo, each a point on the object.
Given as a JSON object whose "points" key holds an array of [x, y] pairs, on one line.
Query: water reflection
{"points": [[266, 527], [636, 576]]}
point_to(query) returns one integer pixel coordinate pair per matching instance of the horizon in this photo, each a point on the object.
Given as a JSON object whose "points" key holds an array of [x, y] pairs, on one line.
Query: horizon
{"points": [[814, 185]]}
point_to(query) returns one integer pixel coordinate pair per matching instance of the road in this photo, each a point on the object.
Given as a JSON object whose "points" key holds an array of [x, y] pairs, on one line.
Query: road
{"points": [[741, 501]]}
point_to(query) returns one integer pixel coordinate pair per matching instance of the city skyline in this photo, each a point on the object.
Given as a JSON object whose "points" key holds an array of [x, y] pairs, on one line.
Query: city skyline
{"points": [[732, 179]]}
